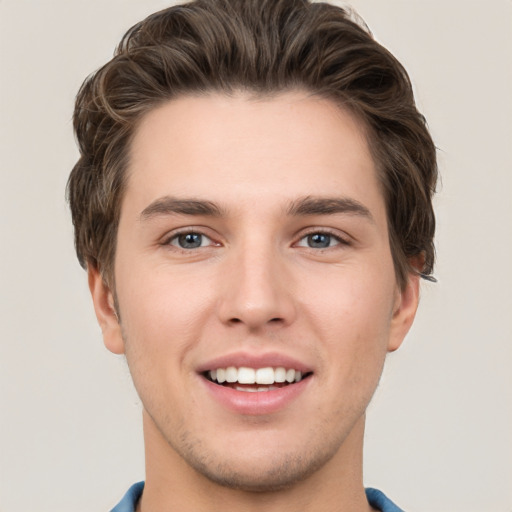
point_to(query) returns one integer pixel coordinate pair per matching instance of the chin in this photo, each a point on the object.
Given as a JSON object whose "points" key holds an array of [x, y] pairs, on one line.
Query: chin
{"points": [[276, 477], [267, 472]]}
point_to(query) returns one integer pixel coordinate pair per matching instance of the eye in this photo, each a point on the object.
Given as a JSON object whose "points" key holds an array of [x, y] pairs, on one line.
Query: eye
{"points": [[190, 240], [320, 240]]}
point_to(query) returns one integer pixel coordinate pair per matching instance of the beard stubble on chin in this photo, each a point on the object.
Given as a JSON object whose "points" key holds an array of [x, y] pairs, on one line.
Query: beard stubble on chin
{"points": [[272, 472], [282, 472], [277, 472]]}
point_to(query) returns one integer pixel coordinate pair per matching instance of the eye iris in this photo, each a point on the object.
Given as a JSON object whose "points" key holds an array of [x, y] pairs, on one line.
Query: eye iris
{"points": [[319, 240], [190, 240]]}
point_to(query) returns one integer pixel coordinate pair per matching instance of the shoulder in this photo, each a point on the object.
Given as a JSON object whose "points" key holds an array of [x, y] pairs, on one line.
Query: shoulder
{"points": [[378, 500], [129, 501]]}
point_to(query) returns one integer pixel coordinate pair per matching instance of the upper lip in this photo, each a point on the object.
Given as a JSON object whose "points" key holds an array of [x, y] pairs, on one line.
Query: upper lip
{"points": [[245, 359]]}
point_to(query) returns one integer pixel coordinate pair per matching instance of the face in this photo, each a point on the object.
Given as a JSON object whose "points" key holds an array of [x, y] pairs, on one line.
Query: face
{"points": [[255, 285]]}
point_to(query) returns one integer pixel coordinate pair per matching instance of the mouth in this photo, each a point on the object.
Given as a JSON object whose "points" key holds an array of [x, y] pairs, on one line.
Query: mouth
{"points": [[255, 380]]}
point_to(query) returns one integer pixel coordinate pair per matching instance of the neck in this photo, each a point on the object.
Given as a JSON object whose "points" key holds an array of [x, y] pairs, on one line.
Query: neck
{"points": [[172, 484]]}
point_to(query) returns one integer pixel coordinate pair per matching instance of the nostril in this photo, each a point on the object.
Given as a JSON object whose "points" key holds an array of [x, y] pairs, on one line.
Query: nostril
{"points": [[272, 320]]}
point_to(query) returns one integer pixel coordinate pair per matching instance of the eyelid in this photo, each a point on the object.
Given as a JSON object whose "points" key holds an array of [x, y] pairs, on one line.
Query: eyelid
{"points": [[174, 234], [204, 238], [342, 239]]}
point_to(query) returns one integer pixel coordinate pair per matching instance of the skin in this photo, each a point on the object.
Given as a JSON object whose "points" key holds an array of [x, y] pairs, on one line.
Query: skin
{"points": [[256, 286]]}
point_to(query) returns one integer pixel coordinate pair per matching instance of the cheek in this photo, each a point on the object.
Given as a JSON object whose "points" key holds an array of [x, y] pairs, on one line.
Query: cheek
{"points": [[162, 310], [163, 319], [355, 301], [352, 315]]}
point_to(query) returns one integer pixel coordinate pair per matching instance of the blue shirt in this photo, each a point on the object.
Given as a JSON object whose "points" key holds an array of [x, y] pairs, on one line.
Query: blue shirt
{"points": [[376, 499]]}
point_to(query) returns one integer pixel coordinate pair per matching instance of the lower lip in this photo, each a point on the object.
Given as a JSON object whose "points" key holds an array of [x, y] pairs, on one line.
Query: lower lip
{"points": [[259, 402]]}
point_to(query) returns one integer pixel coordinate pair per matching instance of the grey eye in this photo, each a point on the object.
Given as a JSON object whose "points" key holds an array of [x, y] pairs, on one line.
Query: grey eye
{"points": [[319, 240], [190, 240]]}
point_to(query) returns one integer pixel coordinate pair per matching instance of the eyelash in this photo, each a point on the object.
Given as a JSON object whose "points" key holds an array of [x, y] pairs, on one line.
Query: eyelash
{"points": [[325, 232], [168, 241]]}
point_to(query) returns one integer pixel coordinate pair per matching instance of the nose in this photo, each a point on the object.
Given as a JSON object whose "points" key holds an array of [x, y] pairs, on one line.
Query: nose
{"points": [[256, 289]]}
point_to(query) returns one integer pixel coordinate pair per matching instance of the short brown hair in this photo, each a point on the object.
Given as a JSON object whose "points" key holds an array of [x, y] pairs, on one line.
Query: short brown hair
{"points": [[264, 47]]}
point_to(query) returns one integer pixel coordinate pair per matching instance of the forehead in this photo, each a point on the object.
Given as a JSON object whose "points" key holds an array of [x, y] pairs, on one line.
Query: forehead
{"points": [[240, 149]]}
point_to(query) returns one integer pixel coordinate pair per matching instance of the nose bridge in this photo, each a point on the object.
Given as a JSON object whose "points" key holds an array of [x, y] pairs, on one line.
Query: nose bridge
{"points": [[256, 292]]}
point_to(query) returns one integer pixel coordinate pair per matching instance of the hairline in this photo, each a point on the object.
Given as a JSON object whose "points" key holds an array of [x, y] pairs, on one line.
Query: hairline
{"points": [[339, 100]]}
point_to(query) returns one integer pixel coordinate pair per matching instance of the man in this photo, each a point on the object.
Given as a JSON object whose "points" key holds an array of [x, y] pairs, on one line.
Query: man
{"points": [[253, 207]]}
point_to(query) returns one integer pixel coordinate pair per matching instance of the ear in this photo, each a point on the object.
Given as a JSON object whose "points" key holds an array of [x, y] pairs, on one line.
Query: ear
{"points": [[103, 300], [406, 304]]}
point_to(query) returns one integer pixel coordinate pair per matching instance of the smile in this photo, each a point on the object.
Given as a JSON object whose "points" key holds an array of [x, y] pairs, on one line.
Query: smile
{"points": [[255, 379]]}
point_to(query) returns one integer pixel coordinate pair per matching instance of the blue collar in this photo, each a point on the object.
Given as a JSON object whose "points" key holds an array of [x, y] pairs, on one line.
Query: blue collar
{"points": [[376, 499]]}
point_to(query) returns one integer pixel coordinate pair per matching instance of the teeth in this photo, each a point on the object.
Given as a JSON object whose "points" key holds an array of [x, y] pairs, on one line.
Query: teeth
{"points": [[231, 374], [290, 375], [280, 374], [246, 376], [255, 390], [249, 390], [265, 376]]}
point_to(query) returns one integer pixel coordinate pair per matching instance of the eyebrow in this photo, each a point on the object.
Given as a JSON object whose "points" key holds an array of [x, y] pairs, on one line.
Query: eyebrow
{"points": [[170, 205], [311, 205]]}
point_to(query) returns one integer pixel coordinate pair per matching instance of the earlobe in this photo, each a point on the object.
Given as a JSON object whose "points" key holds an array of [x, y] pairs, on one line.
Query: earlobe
{"points": [[404, 312], [104, 308]]}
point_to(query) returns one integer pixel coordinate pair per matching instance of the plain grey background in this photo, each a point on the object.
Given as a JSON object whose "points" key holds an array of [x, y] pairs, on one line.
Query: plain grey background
{"points": [[438, 436]]}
